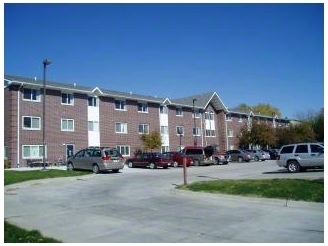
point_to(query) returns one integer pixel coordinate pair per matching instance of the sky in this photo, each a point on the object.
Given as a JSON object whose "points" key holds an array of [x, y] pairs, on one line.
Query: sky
{"points": [[247, 53]]}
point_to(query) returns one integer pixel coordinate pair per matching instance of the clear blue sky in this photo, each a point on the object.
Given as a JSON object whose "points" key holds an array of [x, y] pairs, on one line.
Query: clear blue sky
{"points": [[247, 53]]}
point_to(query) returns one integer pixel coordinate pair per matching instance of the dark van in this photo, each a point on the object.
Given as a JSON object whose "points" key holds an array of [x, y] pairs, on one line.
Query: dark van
{"points": [[201, 155]]}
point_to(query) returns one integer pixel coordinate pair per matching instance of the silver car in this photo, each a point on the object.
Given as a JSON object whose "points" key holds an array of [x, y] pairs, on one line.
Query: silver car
{"points": [[301, 156], [96, 159]]}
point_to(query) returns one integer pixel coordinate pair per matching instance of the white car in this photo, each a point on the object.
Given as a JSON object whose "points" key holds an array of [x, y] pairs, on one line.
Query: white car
{"points": [[301, 156]]}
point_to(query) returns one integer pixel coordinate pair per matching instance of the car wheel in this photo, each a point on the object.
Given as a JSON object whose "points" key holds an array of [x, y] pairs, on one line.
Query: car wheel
{"points": [[95, 169], [257, 158], [130, 164], [240, 159], [293, 167], [70, 167], [152, 165], [115, 170], [196, 162], [175, 164], [217, 161]]}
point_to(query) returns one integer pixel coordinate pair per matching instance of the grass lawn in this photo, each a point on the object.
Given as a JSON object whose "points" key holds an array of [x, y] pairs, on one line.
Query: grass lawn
{"points": [[293, 189]]}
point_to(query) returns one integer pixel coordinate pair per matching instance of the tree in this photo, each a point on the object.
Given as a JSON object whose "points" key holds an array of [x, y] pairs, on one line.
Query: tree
{"points": [[151, 141], [316, 121], [261, 134], [302, 132], [261, 108]]}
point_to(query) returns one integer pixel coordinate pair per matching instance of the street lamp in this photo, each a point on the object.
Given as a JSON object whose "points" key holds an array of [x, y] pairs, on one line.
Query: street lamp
{"points": [[180, 133], [193, 108], [46, 62]]}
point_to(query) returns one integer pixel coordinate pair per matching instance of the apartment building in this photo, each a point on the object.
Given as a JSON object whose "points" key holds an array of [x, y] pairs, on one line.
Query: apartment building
{"points": [[78, 116]]}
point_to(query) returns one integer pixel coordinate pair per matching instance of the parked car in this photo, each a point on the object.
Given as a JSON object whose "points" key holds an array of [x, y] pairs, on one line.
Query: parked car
{"points": [[96, 159], [149, 159], [272, 152], [239, 155], [259, 155], [177, 158], [201, 155], [220, 158], [301, 156]]}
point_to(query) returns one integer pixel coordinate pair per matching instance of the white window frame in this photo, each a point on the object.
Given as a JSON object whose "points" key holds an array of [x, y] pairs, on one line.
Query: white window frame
{"points": [[123, 127], [142, 107], [93, 126], [93, 101], [209, 133], [230, 133], [34, 92], [31, 128], [164, 130], [67, 121], [182, 129], [240, 118], [163, 109], [228, 117], [40, 153], [209, 115], [145, 128], [69, 98], [196, 131], [123, 149], [121, 104], [178, 111], [196, 113]]}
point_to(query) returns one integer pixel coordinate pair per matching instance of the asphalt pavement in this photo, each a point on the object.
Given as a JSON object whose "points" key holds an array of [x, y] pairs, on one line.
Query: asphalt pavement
{"points": [[142, 206]]}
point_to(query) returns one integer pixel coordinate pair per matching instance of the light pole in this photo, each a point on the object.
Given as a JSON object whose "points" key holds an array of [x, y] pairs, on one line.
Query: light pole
{"points": [[46, 62], [180, 133], [193, 108]]}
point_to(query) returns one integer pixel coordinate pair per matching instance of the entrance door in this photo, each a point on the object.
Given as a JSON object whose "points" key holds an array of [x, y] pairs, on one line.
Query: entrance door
{"points": [[69, 150]]}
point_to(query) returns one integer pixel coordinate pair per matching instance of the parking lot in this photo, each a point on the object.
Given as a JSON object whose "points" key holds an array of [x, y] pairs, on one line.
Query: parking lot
{"points": [[141, 205]]}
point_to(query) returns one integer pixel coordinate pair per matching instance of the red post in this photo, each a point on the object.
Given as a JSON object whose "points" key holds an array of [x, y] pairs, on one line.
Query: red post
{"points": [[184, 164]]}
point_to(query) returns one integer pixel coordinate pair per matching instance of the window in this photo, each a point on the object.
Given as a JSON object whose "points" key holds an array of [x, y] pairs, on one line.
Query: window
{"points": [[33, 151], [196, 131], [240, 118], [315, 148], [210, 133], [67, 99], [178, 112], [67, 125], [123, 149], [92, 102], [287, 149], [163, 109], [121, 127], [180, 130], [120, 105], [302, 148], [230, 133], [143, 107], [32, 95], [31, 123], [197, 113], [93, 126], [164, 130], [209, 115], [228, 117], [143, 128], [165, 149]]}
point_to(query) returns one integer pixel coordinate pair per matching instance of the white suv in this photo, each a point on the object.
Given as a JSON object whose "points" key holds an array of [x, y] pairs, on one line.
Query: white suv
{"points": [[297, 157]]}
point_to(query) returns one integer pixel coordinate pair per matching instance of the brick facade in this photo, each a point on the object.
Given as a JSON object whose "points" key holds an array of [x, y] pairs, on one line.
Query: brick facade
{"points": [[15, 137]]}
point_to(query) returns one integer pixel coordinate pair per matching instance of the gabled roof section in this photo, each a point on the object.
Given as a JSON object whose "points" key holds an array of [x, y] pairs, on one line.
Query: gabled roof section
{"points": [[132, 96], [167, 101], [202, 101], [50, 84], [12, 79]]}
